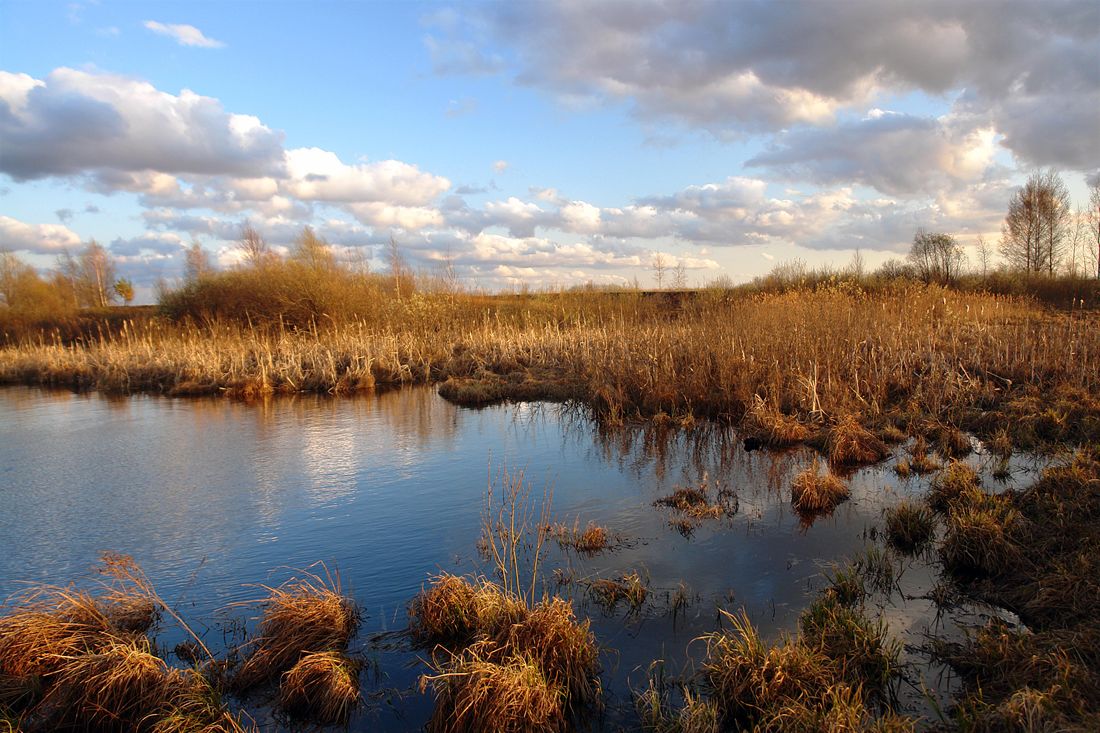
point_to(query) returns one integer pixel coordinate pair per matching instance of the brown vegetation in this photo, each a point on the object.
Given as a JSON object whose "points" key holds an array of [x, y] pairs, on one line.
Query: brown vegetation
{"points": [[893, 357], [592, 539], [303, 616], [1034, 553], [814, 492], [322, 687]]}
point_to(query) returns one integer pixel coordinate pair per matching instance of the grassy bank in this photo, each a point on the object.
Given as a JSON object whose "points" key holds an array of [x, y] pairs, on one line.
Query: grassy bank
{"points": [[788, 367]]}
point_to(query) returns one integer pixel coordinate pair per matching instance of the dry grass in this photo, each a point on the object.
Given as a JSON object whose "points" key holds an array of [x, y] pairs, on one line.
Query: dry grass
{"points": [[970, 360], [813, 492], [848, 443], [456, 610], [610, 592], [322, 687], [909, 526], [507, 656], [693, 504], [811, 683], [957, 482], [304, 615], [591, 540], [510, 696]]}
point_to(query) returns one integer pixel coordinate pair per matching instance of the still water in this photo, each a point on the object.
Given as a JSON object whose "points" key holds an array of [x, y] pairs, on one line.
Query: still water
{"points": [[212, 497]]}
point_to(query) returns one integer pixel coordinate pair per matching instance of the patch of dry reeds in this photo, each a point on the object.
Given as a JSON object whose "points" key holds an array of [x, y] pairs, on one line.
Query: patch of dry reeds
{"points": [[813, 491], [592, 539], [322, 687], [305, 615], [510, 696], [848, 443], [909, 526]]}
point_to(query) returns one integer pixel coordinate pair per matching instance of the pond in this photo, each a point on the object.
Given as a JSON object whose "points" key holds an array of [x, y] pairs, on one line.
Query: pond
{"points": [[212, 497]]}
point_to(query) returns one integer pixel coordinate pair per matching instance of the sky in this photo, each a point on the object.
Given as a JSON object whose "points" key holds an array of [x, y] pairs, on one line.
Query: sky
{"points": [[540, 144]]}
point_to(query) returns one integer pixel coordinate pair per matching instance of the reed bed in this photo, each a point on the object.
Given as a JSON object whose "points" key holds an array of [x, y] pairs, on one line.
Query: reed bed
{"points": [[789, 365]]}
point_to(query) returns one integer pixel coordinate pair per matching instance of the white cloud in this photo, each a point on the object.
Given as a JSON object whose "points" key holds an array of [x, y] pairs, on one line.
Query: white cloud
{"points": [[319, 175], [16, 235], [76, 122], [184, 35], [500, 166]]}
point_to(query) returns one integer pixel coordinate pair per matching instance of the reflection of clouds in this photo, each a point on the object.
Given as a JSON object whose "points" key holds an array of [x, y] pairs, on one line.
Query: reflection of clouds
{"points": [[331, 460]]}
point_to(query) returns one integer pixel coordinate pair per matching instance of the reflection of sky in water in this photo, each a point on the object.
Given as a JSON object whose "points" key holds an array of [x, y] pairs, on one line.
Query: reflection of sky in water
{"points": [[209, 495]]}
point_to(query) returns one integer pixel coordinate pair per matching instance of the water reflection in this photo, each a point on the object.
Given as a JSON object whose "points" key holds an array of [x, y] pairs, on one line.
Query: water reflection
{"points": [[209, 495]]}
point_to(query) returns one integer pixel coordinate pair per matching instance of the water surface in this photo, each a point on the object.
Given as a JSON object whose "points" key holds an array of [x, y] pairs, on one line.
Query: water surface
{"points": [[212, 497]]}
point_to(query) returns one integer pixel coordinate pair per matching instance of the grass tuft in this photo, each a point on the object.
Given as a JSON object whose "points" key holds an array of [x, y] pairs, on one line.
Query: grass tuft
{"points": [[814, 492], [848, 443], [304, 615], [322, 687], [909, 526]]}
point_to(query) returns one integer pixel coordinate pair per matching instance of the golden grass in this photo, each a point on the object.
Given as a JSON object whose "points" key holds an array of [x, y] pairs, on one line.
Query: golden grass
{"points": [[831, 356], [493, 655], [455, 610], [322, 687], [813, 492], [957, 482], [509, 696], [610, 592], [594, 538], [304, 615], [848, 443], [119, 686]]}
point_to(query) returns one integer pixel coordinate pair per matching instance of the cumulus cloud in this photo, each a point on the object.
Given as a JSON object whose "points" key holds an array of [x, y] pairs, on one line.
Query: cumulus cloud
{"points": [[184, 35], [895, 153], [759, 67], [78, 121], [16, 235], [320, 175]]}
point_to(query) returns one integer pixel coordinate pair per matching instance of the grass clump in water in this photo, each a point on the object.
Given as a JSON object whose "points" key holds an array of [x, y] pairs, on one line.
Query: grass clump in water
{"points": [[322, 687], [456, 610], [814, 492], [610, 592], [304, 615], [593, 539], [810, 683], [909, 526], [956, 481]]}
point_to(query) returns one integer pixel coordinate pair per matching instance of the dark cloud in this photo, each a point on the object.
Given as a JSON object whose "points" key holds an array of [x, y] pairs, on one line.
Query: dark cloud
{"points": [[64, 215], [759, 66]]}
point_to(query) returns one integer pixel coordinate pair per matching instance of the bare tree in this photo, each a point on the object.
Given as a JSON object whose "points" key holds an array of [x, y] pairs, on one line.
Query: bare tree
{"points": [[679, 275], [1034, 230], [1093, 220], [313, 251], [124, 288], [196, 263], [253, 246], [935, 256], [658, 265], [397, 265], [985, 255]]}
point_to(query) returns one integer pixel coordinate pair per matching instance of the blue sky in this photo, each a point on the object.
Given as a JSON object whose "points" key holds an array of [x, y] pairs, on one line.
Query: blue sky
{"points": [[543, 143]]}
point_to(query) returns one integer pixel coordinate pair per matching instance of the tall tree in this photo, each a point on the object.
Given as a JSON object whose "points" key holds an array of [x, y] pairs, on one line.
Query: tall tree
{"points": [[313, 251], [1034, 230], [658, 265], [1093, 218]]}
